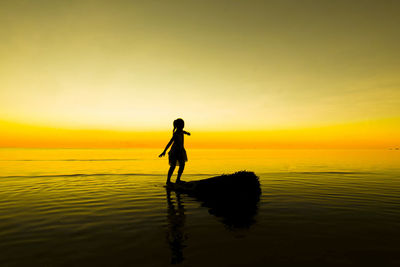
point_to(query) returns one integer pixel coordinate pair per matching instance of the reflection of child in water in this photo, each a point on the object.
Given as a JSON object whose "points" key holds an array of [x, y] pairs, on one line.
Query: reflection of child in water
{"points": [[176, 222], [177, 154]]}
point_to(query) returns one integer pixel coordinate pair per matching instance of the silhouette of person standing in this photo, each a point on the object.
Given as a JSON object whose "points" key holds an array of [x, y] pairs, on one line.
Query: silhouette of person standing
{"points": [[177, 154]]}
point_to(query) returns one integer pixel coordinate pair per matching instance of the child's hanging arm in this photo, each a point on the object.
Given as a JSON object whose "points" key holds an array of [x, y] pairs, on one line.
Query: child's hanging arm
{"points": [[166, 148]]}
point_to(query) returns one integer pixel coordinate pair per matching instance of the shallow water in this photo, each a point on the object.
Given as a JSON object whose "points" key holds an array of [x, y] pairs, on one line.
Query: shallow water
{"points": [[99, 207]]}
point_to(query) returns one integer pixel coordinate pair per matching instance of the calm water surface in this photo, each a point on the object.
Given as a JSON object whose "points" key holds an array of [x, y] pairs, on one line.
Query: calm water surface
{"points": [[99, 207]]}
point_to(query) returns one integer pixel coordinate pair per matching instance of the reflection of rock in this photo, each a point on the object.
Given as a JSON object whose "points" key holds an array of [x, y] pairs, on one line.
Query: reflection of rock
{"points": [[232, 197], [176, 223]]}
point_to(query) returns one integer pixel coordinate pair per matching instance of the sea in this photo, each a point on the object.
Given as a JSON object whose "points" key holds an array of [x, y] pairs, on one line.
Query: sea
{"points": [[109, 207]]}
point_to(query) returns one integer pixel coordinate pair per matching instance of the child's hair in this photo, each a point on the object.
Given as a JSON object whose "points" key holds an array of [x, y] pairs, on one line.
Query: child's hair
{"points": [[178, 124]]}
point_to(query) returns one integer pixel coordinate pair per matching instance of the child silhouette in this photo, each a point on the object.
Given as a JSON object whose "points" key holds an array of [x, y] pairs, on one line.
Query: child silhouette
{"points": [[177, 154]]}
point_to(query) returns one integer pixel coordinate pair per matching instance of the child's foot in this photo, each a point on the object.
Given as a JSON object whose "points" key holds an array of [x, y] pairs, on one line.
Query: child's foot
{"points": [[178, 181], [168, 182]]}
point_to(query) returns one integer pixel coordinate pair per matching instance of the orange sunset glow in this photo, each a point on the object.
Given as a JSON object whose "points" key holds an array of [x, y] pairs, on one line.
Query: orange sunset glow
{"points": [[84, 74]]}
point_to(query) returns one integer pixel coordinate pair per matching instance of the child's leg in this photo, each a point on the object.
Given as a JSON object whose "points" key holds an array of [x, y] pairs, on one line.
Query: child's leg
{"points": [[170, 172], [180, 170]]}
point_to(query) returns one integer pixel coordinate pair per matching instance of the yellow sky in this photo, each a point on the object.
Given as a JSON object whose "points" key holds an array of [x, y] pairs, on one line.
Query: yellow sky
{"points": [[241, 73]]}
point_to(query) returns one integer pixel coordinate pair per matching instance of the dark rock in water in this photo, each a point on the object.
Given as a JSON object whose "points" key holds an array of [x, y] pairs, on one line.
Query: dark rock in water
{"points": [[233, 197]]}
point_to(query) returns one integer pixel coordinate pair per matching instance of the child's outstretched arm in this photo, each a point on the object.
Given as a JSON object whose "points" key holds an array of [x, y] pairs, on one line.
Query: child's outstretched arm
{"points": [[168, 145], [186, 132]]}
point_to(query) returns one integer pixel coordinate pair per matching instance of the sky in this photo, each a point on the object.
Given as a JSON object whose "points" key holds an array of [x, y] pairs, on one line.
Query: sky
{"points": [[240, 73]]}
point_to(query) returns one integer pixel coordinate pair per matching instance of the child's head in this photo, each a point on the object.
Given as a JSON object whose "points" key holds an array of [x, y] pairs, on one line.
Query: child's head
{"points": [[179, 124]]}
